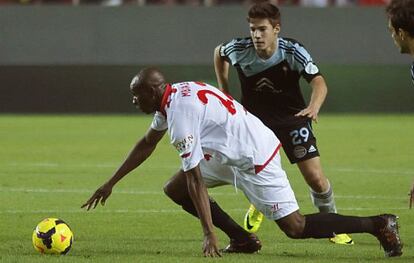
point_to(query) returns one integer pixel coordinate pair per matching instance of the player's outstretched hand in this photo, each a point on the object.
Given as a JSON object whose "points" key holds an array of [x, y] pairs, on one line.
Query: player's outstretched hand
{"points": [[100, 195], [210, 246], [309, 112]]}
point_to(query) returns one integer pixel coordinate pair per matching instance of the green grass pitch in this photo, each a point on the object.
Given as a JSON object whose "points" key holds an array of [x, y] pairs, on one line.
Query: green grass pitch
{"points": [[49, 165]]}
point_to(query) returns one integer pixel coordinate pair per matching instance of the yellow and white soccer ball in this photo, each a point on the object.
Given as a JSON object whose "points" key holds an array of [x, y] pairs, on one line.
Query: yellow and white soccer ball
{"points": [[52, 236]]}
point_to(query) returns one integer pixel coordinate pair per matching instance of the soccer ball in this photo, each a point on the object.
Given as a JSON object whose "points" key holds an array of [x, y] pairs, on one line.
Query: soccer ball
{"points": [[52, 236]]}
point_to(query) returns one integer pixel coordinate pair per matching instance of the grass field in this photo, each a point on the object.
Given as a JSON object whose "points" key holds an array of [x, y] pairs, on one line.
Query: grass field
{"points": [[49, 165]]}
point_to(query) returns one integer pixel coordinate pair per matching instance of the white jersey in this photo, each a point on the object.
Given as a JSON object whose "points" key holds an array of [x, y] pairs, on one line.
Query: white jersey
{"points": [[203, 122]]}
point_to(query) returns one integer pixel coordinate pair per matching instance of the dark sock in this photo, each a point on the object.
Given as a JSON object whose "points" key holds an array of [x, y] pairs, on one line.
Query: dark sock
{"points": [[220, 219], [325, 225]]}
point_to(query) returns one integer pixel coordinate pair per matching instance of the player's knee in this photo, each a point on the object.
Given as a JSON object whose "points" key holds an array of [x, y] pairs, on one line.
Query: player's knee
{"points": [[317, 181], [293, 225], [169, 190], [294, 231], [173, 190]]}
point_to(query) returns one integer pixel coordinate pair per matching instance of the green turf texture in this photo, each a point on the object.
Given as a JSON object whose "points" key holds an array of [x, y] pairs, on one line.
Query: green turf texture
{"points": [[50, 165]]}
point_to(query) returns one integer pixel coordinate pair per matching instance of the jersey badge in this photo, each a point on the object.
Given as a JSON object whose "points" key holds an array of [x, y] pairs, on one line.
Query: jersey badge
{"points": [[185, 91], [311, 69]]}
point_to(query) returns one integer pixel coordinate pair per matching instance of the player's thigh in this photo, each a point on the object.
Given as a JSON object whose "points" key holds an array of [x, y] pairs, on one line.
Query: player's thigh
{"points": [[269, 191], [299, 142]]}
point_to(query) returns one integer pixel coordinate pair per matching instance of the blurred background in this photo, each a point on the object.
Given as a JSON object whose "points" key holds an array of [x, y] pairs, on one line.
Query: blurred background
{"points": [[78, 56]]}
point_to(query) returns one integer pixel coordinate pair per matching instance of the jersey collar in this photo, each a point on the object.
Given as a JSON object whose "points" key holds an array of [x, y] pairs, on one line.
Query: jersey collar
{"points": [[165, 102]]}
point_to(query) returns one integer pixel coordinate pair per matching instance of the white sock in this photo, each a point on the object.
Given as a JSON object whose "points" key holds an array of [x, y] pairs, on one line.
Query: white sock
{"points": [[324, 201]]}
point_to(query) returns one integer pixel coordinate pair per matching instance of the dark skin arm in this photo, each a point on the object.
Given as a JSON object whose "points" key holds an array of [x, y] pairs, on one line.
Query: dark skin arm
{"points": [[198, 194], [141, 151]]}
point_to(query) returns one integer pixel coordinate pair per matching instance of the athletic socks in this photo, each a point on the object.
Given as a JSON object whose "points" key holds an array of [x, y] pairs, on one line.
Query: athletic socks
{"points": [[324, 201], [220, 219], [326, 225]]}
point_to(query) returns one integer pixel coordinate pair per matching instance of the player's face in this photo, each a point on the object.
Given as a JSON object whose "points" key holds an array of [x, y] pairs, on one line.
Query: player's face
{"points": [[398, 38], [263, 34], [144, 99]]}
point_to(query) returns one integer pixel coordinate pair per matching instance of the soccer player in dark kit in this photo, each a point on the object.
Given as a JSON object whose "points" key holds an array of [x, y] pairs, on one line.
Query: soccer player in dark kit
{"points": [[269, 69], [401, 25]]}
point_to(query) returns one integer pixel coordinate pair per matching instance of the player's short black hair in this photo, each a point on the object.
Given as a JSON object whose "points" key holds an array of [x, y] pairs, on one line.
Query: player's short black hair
{"points": [[401, 15], [265, 10]]}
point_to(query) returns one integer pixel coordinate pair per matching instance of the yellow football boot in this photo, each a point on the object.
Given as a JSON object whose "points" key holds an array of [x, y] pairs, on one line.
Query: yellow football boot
{"points": [[342, 239], [253, 219]]}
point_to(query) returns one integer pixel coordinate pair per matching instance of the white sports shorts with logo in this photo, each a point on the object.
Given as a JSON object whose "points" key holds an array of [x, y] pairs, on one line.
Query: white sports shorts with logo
{"points": [[269, 190]]}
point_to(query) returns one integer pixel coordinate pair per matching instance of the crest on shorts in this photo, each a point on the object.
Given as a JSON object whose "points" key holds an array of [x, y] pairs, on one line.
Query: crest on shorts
{"points": [[274, 208]]}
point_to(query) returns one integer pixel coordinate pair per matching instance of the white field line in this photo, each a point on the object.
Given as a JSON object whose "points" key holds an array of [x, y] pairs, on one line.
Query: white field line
{"points": [[135, 192], [290, 169], [46, 164], [161, 211]]}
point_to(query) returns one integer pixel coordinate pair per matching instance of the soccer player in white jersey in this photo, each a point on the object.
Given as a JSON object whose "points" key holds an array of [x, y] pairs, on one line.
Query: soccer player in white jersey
{"points": [[269, 69], [401, 25], [220, 142]]}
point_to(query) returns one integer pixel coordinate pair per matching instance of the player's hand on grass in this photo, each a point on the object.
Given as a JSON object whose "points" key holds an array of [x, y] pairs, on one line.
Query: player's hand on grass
{"points": [[210, 246], [309, 112], [100, 195]]}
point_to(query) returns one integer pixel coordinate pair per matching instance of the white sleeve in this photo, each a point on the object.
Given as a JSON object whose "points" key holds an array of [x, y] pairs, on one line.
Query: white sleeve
{"points": [[184, 131], [159, 122]]}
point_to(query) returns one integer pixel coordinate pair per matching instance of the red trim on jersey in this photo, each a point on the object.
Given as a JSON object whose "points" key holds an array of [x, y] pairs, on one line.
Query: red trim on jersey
{"points": [[165, 97], [200, 83], [207, 156], [185, 155], [259, 168]]}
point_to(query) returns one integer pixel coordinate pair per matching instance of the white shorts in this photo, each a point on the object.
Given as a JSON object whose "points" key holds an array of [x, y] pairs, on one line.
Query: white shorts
{"points": [[269, 190]]}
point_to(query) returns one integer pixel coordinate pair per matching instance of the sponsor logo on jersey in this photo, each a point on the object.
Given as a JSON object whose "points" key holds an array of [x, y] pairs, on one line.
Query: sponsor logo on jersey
{"points": [[311, 149], [264, 84], [299, 151], [185, 144]]}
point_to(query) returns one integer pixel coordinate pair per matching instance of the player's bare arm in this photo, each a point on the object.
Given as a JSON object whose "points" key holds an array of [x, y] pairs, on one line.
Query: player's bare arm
{"points": [[141, 151], [319, 92], [411, 196], [199, 196], [221, 67]]}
